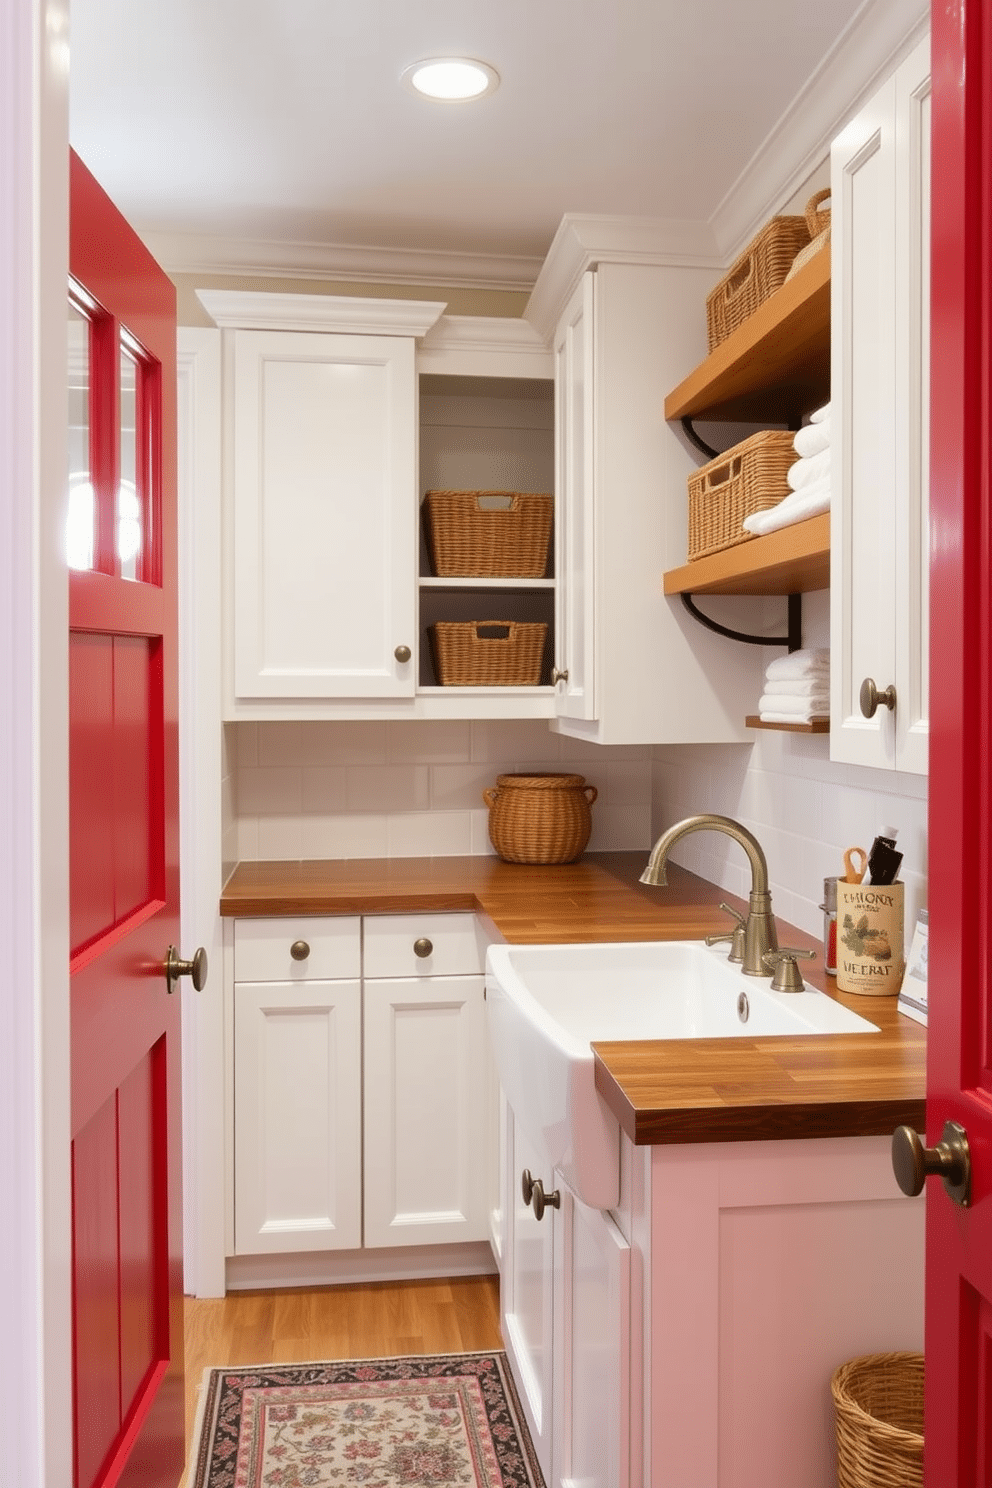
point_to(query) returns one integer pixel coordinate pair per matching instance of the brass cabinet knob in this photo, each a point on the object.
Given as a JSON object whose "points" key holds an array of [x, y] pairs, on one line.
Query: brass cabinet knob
{"points": [[176, 967], [913, 1163], [559, 676], [423, 947], [299, 950], [402, 653], [540, 1200], [526, 1185], [870, 697]]}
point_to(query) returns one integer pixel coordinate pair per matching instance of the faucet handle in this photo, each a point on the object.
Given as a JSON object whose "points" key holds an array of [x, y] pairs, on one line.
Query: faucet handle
{"points": [[735, 936], [786, 976]]}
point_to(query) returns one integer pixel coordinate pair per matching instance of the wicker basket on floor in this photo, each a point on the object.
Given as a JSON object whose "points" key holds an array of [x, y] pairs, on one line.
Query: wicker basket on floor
{"points": [[542, 818], [878, 1407], [488, 653], [755, 275], [488, 534], [749, 478]]}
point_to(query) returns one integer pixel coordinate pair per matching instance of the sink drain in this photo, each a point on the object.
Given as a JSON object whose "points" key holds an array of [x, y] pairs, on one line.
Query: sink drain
{"points": [[743, 1007]]}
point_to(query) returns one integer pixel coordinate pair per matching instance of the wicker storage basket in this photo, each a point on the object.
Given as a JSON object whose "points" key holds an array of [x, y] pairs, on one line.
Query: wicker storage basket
{"points": [[749, 478], [878, 1407], [488, 653], [541, 818], [818, 222], [757, 273], [488, 534]]}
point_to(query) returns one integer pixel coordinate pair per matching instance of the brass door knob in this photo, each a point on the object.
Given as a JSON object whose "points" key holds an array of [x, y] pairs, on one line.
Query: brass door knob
{"points": [[423, 947], [559, 676], [526, 1185], [175, 968], [299, 950], [540, 1200], [402, 653], [913, 1163], [870, 697]]}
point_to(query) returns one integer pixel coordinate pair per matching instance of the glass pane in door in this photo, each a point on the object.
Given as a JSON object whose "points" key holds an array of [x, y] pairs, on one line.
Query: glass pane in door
{"points": [[80, 519], [129, 513]]}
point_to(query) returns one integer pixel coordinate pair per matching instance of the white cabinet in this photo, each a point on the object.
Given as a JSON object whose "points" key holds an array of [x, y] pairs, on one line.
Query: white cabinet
{"points": [[297, 1088], [565, 1303], [880, 350], [361, 1112], [632, 666], [427, 1162]]}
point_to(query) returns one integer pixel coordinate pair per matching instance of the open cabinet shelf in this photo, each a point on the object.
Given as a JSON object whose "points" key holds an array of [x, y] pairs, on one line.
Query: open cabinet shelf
{"points": [[793, 560], [817, 726], [774, 367]]}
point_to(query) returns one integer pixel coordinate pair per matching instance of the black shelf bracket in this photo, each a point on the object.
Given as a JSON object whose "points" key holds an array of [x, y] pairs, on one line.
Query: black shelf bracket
{"points": [[698, 441], [793, 640]]}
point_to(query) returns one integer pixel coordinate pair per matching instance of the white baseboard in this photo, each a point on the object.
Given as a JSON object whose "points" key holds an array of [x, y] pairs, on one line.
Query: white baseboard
{"points": [[351, 1267]]}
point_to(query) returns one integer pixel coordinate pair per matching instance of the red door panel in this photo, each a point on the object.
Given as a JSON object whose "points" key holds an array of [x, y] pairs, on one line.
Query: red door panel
{"points": [[124, 883], [958, 1413]]}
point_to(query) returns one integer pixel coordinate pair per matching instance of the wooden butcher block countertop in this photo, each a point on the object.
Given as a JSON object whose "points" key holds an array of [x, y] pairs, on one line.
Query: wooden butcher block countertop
{"points": [[661, 1091]]}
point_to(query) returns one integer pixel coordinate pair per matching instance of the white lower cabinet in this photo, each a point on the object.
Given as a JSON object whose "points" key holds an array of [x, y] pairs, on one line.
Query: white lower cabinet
{"points": [[361, 1105], [566, 1312]]}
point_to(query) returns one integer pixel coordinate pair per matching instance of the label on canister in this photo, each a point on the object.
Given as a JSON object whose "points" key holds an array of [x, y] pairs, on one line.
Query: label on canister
{"points": [[870, 944]]}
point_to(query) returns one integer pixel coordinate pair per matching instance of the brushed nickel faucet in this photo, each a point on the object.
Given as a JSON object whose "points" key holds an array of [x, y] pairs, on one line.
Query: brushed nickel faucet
{"points": [[760, 935]]}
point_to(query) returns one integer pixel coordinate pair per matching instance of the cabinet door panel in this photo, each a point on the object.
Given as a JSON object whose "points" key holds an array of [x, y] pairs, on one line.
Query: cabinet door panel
{"points": [[297, 1116], [426, 1160], [526, 1290], [575, 557], [863, 557], [592, 1401], [325, 514]]}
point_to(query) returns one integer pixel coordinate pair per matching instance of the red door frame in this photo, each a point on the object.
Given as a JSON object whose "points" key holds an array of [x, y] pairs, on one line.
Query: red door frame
{"points": [[958, 1423]]}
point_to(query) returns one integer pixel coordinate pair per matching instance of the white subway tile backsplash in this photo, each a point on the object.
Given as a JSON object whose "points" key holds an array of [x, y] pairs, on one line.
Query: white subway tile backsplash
{"points": [[417, 742], [275, 792], [280, 743], [360, 743], [387, 788], [429, 834], [460, 787], [280, 837], [504, 741], [362, 835], [323, 790]]}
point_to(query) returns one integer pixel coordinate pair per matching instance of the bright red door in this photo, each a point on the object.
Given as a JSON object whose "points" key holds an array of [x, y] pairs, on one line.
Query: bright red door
{"points": [[958, 1426], [124, 854]]}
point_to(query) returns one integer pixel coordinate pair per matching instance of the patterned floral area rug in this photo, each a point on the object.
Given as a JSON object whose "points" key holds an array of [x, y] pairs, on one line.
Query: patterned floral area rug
{"points": [[434, 1421]]}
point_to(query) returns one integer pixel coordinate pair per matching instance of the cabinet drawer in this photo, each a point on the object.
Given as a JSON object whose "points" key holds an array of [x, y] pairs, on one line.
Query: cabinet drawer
{"points": [[263, 948], [457, 945]]}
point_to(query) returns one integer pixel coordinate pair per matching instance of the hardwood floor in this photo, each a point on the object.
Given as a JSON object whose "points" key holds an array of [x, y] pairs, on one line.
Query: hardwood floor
{"points": [[459, 1315]]}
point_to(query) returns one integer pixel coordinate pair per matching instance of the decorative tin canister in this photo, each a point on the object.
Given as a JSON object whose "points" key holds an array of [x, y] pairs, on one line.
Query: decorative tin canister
{"points": [[870, 945]]}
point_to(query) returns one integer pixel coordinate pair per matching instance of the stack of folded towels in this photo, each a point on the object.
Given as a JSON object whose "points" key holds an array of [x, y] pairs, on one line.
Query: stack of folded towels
{"points": [[797, 688], [808, 478]]}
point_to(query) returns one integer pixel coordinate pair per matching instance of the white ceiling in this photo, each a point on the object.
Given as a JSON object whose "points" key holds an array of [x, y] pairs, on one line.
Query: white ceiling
{"points": [[284, 121]]}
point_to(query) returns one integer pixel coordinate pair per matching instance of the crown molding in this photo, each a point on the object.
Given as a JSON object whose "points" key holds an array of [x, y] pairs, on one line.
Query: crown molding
{"points": [[249, 310], [477, 344], [188, 253], [880, 35], [584, 240]]}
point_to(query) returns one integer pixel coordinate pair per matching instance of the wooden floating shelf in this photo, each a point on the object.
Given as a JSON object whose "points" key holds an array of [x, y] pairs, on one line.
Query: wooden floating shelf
{"points": [[793, 560], [818, 725], [775, 366]]}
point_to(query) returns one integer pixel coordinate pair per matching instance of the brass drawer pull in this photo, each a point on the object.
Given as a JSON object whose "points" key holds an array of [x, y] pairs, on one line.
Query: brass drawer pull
{"points": [[423, 947], [299, 950]]}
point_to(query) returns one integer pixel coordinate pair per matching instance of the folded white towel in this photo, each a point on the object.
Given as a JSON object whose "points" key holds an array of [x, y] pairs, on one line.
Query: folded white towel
{"points": [[770, 717], [812, 438], [808, 470], [820, 414], [810, 661], [804, 687], [796, 507], [783, 702]]}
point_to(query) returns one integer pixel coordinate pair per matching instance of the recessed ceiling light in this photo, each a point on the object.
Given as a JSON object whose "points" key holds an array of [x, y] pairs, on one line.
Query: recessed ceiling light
{"points": [[451, 78]]}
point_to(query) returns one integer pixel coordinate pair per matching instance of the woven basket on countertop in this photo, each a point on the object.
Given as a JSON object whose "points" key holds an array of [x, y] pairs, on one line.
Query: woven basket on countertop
{"points": [[749, 478], [542, 818], [878, 1407], [753, 276], [488, 534], [488, 653]]}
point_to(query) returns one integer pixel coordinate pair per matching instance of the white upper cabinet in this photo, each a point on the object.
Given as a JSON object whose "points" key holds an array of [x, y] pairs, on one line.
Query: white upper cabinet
{"points": [[632, 667], [880, 349], [321, 400]]}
